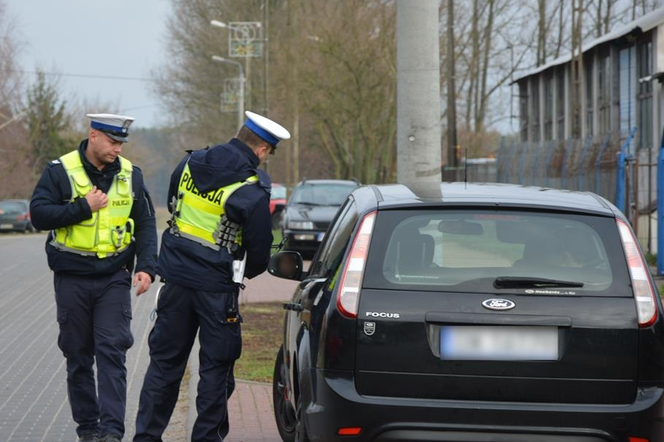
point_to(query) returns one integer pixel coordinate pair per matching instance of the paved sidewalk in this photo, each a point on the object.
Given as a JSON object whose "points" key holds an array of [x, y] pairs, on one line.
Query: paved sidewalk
{"points": [[251, 413], [33, 390]]}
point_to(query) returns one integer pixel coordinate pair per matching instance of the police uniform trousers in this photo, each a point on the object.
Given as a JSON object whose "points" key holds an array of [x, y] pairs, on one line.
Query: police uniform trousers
{"points": [[181, 313], [94, 315]]}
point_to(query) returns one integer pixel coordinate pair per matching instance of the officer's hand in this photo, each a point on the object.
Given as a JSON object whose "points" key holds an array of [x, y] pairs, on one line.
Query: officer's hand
{"points": [[96, 199], [143, 281]]}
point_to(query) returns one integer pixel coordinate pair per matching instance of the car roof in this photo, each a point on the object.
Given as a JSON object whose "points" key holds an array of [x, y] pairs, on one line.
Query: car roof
{"points": [[489, 194], [350, 182]]}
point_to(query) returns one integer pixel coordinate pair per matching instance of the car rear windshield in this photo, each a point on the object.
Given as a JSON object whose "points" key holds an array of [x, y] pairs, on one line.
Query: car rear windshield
{"points": [[497, 252], [278, 192], [11, 207], [322, 194]]}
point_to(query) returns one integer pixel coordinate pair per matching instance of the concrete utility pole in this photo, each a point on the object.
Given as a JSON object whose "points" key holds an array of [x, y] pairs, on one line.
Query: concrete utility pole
{"points": [[418, 92]]}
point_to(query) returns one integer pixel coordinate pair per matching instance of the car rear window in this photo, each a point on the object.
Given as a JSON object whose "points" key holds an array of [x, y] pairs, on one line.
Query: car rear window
{"points": [[497, 252], [322, 194], [278, 192], [11, 207]]}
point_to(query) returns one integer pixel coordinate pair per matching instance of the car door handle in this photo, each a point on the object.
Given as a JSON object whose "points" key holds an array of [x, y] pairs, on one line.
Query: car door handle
{"points": [[293, 306]]}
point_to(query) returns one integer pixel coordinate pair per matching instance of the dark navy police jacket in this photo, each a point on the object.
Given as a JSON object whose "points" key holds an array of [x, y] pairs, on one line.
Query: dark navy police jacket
{"points": [[51, 208], [189, 264]]}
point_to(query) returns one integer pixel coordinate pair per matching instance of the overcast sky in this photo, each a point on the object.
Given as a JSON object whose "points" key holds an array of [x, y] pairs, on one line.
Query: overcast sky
{"points": [[76, 38]]}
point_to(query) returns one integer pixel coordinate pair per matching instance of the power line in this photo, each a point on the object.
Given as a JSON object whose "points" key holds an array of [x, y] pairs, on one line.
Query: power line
{"points": [[101, 77]]}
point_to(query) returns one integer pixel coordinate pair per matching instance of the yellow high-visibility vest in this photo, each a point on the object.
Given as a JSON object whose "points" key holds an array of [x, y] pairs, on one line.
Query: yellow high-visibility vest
{"points": [[109, 231], [200, 217]]}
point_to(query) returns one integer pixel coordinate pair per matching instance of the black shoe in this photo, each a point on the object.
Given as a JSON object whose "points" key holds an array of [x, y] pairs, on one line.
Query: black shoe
{"points": [[110, 438], [88, 437]]}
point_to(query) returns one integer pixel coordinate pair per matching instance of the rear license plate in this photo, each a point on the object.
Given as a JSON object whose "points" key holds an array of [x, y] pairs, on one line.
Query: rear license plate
{"points": [[498, 343], [6, 226]]}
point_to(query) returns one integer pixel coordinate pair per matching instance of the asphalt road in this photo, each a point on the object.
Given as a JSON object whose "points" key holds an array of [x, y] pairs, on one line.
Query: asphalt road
{"points": [[33, 394]]}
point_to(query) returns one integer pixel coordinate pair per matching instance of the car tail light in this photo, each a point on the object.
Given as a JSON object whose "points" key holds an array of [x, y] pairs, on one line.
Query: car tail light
{"points": [[644, 293], [349, 290], [638, 439], [349, 431]]}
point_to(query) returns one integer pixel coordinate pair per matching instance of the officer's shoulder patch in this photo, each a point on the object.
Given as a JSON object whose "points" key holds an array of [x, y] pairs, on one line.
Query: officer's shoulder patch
{"points": [[264, 180], [264, 177]]}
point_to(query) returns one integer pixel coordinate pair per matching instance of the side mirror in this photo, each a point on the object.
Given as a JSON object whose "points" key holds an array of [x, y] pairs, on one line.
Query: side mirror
{"points": [[287, 265]]}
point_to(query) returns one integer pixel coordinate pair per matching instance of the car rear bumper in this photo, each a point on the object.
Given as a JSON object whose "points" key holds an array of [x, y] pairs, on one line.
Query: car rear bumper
{"points": [[17, 226], [337, 405]]}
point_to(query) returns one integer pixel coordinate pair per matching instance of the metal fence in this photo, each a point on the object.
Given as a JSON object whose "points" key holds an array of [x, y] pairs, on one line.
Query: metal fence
{"points": [[588, 165], [604, 165]]}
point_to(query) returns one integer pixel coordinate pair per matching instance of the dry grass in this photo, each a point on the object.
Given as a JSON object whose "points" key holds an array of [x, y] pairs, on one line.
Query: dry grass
{"points": [[262, 335]]}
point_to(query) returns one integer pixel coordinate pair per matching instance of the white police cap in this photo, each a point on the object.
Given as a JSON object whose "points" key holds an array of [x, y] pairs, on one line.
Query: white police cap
{"points": [[115, 126], [265, 128]]}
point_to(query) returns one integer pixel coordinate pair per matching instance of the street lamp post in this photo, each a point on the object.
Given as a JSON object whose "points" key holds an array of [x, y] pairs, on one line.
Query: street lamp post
{"points": [[245, 40], [240, 107]]}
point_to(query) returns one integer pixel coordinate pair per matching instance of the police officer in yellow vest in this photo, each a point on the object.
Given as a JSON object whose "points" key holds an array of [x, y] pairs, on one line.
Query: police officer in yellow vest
{"points": [[219, 199], [101, 220]]}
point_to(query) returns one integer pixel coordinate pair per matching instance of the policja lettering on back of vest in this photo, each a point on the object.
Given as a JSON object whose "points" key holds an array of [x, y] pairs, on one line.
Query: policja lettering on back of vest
{"points": [[213, 197]]}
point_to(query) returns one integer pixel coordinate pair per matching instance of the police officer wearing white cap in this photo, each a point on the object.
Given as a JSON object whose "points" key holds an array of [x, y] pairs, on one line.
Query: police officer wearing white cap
{"points": [[221, 220], [102, 227]]}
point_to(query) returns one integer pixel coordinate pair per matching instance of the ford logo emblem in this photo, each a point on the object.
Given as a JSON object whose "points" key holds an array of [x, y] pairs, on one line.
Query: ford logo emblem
{"points": [[498, 304]]}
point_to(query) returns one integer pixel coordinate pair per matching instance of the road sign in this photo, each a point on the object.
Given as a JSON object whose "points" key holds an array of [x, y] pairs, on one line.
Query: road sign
{"points": [[231, 95], [245, 39]]}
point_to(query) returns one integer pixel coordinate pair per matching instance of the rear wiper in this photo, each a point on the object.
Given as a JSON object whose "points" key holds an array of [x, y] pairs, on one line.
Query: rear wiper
{"points": [[515, 282]]}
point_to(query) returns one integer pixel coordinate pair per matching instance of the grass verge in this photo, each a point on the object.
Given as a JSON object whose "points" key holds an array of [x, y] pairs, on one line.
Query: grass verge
{"points": [[262, 335]]}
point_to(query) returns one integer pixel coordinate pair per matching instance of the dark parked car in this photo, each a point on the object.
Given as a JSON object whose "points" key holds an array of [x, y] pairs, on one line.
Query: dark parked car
{"points": [[15, 216], [471, 313], [309, 211]]}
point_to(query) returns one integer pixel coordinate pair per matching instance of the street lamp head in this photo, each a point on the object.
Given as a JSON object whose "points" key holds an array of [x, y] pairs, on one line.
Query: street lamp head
{"points": [[218, 24], [225, 60]]}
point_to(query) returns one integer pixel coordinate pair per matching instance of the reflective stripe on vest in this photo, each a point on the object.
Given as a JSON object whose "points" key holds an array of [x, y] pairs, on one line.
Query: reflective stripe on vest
{"points": [[200, 217], [109, 230]]}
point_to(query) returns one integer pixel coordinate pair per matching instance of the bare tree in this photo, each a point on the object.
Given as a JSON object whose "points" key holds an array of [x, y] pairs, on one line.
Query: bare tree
{"points": [[600, 14], [348, 72], [190, 84], [332, 71], [16, 179], [488, 56]]}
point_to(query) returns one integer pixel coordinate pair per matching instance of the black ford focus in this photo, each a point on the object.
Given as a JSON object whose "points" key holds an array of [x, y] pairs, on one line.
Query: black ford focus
{"points": [[472, 313]]}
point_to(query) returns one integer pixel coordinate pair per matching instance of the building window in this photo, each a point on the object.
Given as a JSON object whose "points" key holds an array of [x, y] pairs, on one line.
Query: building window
{"points": [[590, 103], [523, 110], [560, 103], [535, 109], [627, 85], [548, 105], [604, 92], [644, 61]]}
